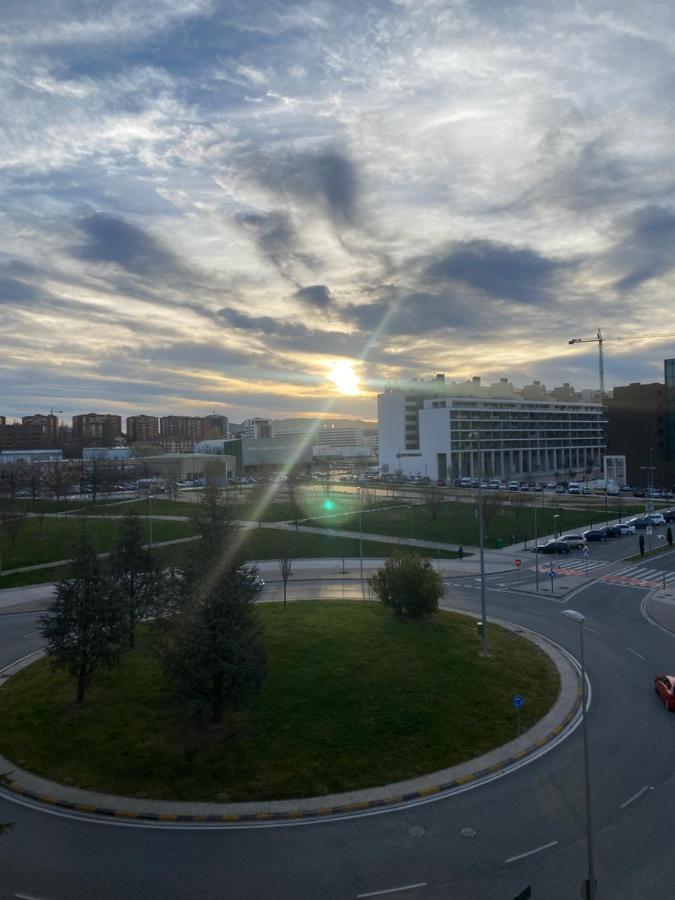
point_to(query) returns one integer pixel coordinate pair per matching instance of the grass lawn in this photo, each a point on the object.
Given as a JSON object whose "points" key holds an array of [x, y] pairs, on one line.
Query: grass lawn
{"points": [[354, 698], [53, 539], [458, 523]]}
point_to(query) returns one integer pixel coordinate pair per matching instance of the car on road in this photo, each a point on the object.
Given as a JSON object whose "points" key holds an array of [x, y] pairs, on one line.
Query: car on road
{"points": [[514, 486], [550, 485], [595, 534], [554, 547], [574, 539], [613, 531], [560, 488], [664, 685], [625, 528], [257, 583], [669, 515]]}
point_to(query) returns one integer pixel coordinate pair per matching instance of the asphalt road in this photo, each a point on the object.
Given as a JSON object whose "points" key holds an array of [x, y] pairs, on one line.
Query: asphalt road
{"points": [[525, 828]]}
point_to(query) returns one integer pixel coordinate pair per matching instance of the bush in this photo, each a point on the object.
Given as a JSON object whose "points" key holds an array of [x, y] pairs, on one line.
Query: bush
{"points": [[409, 585]]}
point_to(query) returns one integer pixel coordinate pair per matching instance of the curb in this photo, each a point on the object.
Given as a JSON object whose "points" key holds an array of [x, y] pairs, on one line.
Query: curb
{"points": [[18, 782]]}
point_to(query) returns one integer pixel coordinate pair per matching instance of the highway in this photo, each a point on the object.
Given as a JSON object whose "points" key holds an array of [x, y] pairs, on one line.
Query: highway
{"points": [[491, 841]]}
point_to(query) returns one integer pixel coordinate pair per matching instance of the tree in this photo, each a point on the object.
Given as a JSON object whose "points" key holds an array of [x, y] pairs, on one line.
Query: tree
{"points": [[293, 492], [434, 504], [212, 649], [285, 567], [409, 585], [215, 523], [83, 631], [57, 479], [135, 579], [12, 520], [669, 536]]}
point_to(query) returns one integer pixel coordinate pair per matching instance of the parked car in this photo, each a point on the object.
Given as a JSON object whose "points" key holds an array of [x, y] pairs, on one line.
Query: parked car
{"points": [[558, 547], [560, 488], [574, 539], [664, 685], [539, 487], [513, 486], [625, 528], [638, 492], [669, 515], [612, 531], [656, 518], [586, 490], [258, 584], [573, 488], [639, 522], [550, 485], [494, 484], [595, 534]]}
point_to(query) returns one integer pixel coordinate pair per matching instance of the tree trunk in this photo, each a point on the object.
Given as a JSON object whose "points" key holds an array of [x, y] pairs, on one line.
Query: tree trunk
{"points": [[284, 595], [81, 688]]}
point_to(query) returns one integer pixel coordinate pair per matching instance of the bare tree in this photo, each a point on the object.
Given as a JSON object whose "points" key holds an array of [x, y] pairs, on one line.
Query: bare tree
{"points": [[57, 478], [434, 503], [285, 567]]}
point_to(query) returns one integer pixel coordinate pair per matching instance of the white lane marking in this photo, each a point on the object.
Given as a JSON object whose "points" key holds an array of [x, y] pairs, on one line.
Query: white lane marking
{"points": [[530, 852], [635, 796], [588, 628], [635, 653], [539, 611], [30, 634], [28, 897], [396, 890]]}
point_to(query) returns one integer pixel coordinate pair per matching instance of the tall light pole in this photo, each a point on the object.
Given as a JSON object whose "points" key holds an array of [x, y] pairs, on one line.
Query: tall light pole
{"points": [[590, 886], [536, 549], [555, 525], [649, 503], [361, 533], [481, 541], [150, 517]]}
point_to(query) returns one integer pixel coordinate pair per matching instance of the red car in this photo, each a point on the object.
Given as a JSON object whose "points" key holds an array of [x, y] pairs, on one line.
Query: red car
{"points": [[664, 685]]}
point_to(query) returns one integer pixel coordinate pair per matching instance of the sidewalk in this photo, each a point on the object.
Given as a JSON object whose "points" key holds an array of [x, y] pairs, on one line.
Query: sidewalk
{"points": [[660, 607], [550, 728]]}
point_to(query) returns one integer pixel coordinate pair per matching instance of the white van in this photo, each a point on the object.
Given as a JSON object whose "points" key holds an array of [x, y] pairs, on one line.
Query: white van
{"points": [[573, 487]]}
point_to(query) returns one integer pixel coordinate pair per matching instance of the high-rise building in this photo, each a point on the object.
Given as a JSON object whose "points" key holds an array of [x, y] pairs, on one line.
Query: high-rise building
{"points": [[142, 428], [216, 426], [257, 428], [23, 437], [636, 428], [178, 434], [97, 429], [50, 424], [669, 379]]}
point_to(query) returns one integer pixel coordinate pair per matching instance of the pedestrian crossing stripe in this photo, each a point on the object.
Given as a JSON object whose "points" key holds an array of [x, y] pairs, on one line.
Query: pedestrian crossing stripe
{"points": [[640, 576]]}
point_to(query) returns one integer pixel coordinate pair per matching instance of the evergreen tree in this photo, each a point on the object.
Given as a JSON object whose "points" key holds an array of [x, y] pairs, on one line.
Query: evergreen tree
{"points": [[83, 630], [135, 579], [408, 584]]}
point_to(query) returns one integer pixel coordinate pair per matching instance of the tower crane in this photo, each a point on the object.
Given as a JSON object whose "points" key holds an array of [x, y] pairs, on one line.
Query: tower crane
{"points": [[599, 339]]}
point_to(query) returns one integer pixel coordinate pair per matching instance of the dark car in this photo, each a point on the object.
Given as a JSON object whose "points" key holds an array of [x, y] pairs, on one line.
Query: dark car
{"points": [[595, 534], [640, 522], [554, 547], [638, 492], [669, 515], [612, 531]]}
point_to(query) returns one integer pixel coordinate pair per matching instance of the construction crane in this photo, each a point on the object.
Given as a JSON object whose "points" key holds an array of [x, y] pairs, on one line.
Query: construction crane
{"points": [[599, 339]]}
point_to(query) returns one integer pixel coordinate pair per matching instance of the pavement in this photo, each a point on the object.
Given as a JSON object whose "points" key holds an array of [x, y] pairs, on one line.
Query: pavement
{"points": [[560, 718]]}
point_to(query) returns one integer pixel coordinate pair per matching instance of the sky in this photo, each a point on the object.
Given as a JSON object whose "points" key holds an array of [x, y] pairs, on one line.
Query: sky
{"points": [[276, 208]]}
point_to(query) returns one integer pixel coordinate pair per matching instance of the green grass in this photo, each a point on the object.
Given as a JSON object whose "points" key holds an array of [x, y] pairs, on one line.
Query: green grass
{"points": [[54, 538], [457, 523], [354, 698]]}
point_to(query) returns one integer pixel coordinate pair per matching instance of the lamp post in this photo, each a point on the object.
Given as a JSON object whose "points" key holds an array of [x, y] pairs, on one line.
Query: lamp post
{"points": [[484, 651], [649, 503], [536, 550], [150, 518], [590, 885], [555, 525], [361, 533]]}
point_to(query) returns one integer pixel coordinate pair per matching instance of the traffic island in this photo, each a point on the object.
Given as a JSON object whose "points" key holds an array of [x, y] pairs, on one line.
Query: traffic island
{"points": [[377, 701]]}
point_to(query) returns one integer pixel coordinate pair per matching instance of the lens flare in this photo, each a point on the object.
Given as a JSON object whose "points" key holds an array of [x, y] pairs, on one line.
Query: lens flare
{"points": [[344, 377]]}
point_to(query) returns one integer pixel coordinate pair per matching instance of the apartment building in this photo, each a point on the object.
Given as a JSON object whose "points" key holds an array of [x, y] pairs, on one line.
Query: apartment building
{"points": [[142, 428]]}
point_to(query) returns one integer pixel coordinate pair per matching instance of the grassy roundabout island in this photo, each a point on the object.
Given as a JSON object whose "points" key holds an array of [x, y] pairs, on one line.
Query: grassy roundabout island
{"points": [[355, 697]]}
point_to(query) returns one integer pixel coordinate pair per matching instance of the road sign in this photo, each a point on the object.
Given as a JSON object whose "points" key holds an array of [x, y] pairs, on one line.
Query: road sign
{"points": [[518, 701], [552, 573], [516, 562], [649, 530]]}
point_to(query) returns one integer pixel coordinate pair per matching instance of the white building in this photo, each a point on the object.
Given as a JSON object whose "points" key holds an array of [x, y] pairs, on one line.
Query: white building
{"points": [[426, 429]]}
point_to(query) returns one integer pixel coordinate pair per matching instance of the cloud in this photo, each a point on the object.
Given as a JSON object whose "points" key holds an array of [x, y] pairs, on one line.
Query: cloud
{"points": [[499, 270], [315, 296], [111, 239], [645, 251], [277, 238], [324, 180], [14, 290]]}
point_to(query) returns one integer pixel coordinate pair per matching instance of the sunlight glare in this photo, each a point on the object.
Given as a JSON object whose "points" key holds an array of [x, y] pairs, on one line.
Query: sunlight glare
{"points": [[344, 377]]}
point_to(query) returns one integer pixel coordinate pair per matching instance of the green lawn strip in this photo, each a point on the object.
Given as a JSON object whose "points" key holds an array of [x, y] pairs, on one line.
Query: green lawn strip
{"points": [[36, 576], [354, 698], [53, 538], [656, 551], [266, 543], [78, 505], [458, 523]]}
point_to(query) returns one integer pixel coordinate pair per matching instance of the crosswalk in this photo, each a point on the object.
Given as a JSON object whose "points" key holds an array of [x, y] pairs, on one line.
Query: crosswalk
{"points": [[640, 576], [576, 566]]}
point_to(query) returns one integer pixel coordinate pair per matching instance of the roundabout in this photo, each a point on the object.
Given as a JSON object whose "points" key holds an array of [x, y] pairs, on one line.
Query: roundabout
{"points": [[491, 841]]}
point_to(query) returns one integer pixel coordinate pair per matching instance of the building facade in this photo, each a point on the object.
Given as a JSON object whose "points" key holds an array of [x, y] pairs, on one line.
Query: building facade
{"points": [[669, 380], [142, 428], [434, 433], [636, 428], [97, 429]]}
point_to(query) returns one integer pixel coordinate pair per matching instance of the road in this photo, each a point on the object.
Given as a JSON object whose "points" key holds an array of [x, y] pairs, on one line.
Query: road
{"points": [[525, 828]]}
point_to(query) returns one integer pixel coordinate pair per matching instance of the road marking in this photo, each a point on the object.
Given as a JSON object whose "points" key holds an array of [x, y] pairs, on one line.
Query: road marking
{"points": [[635, 796], [405, 887], [28, 897], [530, 852], [539, 611], [635, 653], [30, 634]]}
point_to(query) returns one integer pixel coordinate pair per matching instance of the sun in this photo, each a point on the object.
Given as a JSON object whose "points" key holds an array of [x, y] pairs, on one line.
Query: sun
{"points": [[344, 377]]}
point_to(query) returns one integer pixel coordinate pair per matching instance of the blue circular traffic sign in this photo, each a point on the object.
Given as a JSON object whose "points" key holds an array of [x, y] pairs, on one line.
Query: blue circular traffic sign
{"points": [[518, 701]]}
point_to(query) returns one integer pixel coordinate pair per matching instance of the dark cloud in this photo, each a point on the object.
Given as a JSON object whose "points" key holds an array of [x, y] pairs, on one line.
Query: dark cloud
{"points": [[646, 249], [14, 290], [196, 354], [284, 335], [500, 270], [277, 238], [417, 313], [326, 180], [315, 296], [109, 239]]}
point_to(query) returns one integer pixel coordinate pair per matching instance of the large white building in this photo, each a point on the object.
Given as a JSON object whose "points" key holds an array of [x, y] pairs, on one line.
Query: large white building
{"points": [[426, 428]]}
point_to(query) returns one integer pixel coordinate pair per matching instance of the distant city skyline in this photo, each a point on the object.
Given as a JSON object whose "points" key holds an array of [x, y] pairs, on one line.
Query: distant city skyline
{"points": [[274, 209]]}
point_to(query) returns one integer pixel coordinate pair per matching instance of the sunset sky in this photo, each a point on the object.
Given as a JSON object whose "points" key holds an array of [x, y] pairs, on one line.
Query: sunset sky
{"points": [[255, 207]]}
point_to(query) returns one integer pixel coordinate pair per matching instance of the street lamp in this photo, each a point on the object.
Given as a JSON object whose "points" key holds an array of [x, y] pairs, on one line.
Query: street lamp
{"points": [[590, 885], [481, 541], [150, 517], [555, 524]]}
